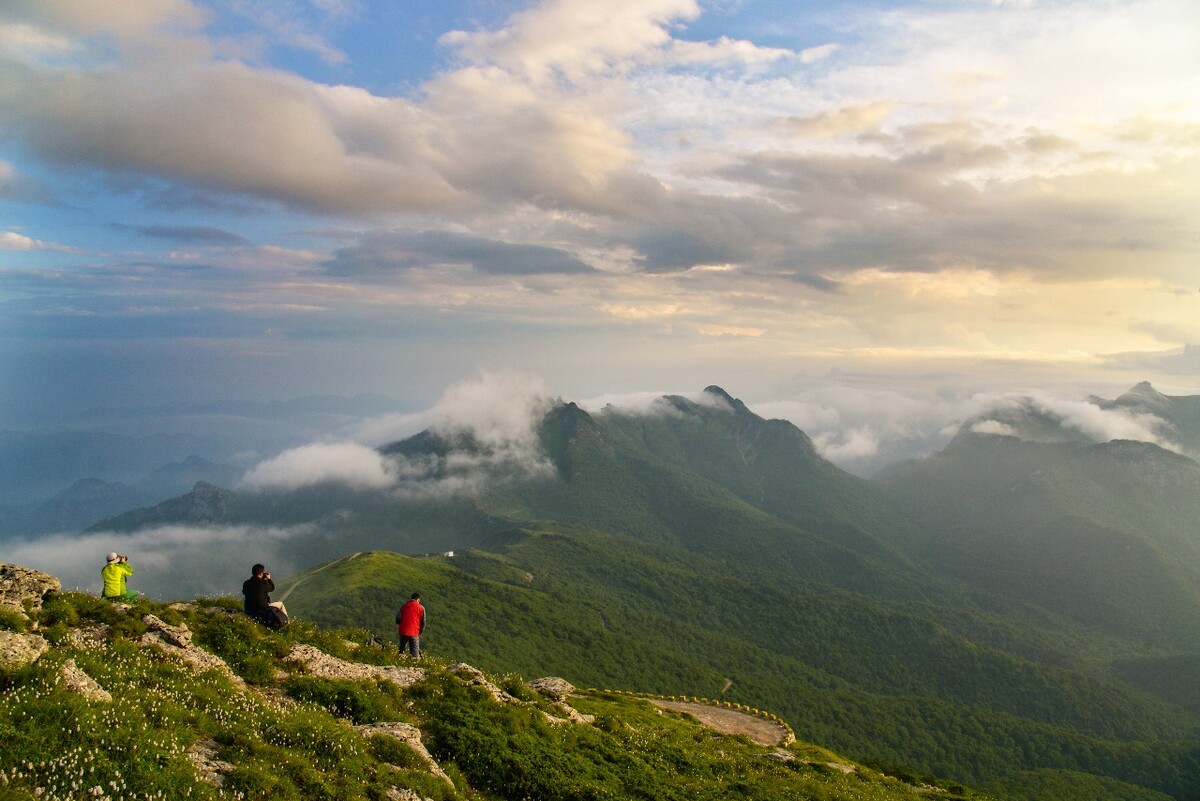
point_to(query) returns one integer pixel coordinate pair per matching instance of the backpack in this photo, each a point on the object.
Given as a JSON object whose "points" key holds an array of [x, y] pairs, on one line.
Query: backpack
{"points": [[273, 617]]}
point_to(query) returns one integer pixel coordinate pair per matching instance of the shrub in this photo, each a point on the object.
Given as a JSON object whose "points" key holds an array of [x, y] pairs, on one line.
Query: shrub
{"points": [[361, 702], [11, 620]]}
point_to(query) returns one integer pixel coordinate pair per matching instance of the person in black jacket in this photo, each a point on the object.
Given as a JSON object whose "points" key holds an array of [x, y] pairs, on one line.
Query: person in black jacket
{"points": [[256, 591]]}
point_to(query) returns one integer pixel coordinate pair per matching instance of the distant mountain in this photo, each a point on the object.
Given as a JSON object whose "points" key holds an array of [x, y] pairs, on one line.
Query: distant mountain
{"points": [[161, 445], [1103, 534], [205, 504], [178, 478], [714, 479], [82, 504], [36, 465], [1180, 413]]}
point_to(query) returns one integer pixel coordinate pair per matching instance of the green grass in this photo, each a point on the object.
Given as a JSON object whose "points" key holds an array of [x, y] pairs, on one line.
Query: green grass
{"points": [[289, 735]]}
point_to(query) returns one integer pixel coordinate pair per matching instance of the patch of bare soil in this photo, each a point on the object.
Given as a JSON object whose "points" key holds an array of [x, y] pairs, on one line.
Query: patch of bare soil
{"points": [[730, 721]]}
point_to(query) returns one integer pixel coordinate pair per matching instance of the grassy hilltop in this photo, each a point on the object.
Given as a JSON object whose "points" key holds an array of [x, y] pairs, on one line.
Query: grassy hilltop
{"points": [[196, 701]]}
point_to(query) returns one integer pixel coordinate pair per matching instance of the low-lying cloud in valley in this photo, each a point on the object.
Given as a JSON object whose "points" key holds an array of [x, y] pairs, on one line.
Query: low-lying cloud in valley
{"points": [[169, 562]]}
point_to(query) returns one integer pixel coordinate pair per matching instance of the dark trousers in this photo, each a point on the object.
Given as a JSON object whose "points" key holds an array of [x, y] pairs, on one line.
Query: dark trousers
{"points": [[413, 644]]}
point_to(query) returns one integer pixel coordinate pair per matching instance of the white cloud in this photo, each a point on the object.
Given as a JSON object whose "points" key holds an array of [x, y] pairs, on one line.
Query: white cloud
{"points": [[577, 39], [11, 240], [499, 408], [1101, 425], [343, 463], [848, 446], [1002, 413], [26, 43], [490, 422], [994, 427], [650, 403]]}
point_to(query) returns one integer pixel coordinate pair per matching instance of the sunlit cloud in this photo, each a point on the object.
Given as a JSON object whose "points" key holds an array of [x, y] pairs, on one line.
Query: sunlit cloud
{"points": [[989, 187]]}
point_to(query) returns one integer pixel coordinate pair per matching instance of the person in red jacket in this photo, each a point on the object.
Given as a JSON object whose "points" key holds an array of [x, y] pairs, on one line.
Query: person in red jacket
{"points": [[410, 624]]}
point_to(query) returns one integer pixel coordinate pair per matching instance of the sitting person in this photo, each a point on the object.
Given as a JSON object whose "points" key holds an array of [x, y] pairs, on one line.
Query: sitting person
{"points": [[257, 599], [114, 574]]}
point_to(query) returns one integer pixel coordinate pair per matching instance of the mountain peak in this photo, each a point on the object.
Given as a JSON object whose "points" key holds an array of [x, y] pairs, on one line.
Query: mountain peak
{"points": [[716, 392], [1143, 394]]}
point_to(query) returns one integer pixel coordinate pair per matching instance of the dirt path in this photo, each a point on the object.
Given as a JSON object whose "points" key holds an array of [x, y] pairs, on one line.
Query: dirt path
{"points": [[731, 721], [292, 588]]}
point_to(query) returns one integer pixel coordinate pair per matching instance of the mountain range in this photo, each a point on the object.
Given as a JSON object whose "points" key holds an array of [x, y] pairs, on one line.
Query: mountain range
{"points": [[1006, 612]]}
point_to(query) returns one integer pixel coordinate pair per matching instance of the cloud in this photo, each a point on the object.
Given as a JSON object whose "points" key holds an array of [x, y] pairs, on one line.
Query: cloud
{"points": [[856, 119], [16, 186], [651, 403], [576, 38], [861, 428], [123, 20], [343, 463], [1183, 361], [994, 427], [491, 423], [848, 446], [1093, 422], [387, 252], [173, 562], [1019, 155], [11, 240], [189, 234]]}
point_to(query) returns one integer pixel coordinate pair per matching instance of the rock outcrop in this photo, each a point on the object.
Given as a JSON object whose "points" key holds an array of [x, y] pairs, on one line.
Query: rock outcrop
{"points": [[473, 675], [79, 682], [18, 650], [203, 756], [318, 663], [559, 690], [410, 736], [177, 641], [22, 589], [553, 687]]}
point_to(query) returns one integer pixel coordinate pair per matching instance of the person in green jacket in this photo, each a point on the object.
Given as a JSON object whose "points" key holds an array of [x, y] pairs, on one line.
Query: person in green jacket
{"points": [[114, 574]]}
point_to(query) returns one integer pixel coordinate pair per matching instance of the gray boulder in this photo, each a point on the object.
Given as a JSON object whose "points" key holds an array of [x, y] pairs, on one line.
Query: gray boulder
{"points": [[553, 687], [19, 650], [22, 588]]}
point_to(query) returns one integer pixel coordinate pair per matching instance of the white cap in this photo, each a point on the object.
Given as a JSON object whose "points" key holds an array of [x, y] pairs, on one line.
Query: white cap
{"points": [[112, 557]]}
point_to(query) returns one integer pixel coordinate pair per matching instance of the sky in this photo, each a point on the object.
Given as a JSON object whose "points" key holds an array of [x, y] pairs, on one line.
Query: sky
{"points": [[851, 214]]}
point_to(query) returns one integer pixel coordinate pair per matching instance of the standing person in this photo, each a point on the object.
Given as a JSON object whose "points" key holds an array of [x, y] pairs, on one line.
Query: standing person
{"points": [[256, 592], [410, 624], [114, 573]]}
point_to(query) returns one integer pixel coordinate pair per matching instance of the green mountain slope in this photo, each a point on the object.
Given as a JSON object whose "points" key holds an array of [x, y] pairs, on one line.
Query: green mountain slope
{"points": [[878, 682], [1103, 534], [198, 701]]}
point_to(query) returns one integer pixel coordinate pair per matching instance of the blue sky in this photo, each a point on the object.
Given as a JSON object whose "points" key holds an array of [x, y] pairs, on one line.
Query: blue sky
{"points": [[252, 199]]}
